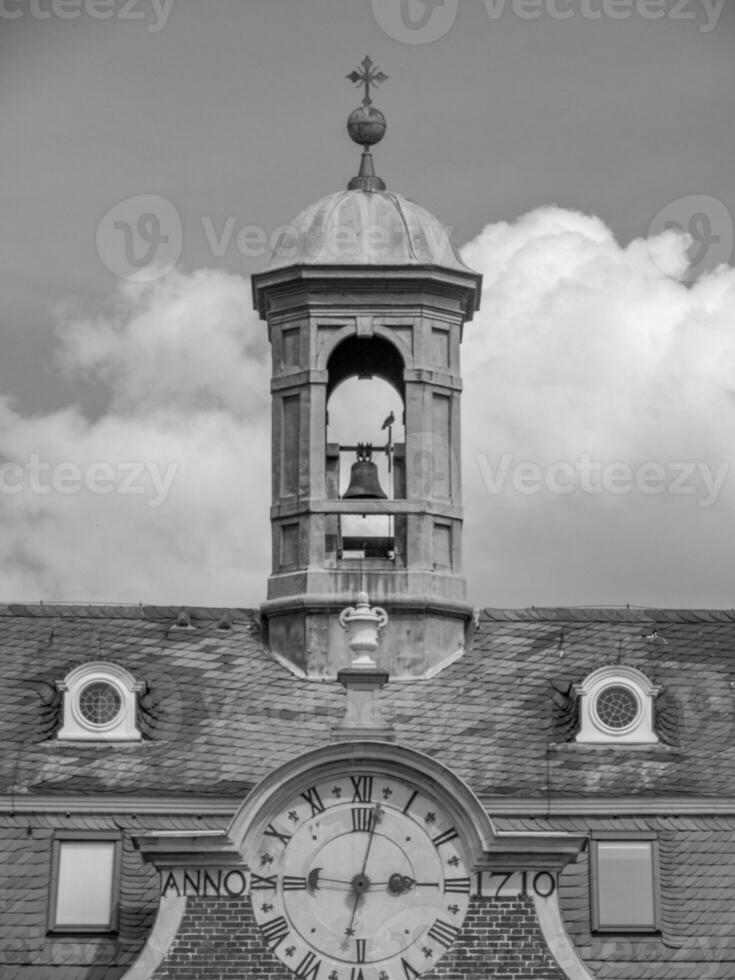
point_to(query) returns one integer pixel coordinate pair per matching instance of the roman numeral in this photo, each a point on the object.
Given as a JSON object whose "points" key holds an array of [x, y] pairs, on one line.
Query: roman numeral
{"points": [[292, 884], [413, 797], [443, 932], [360, 944], [308, 968], [408, 971], [445, 837], [363, 818], [363, 787], [459, 886], [314, 800], [272, 832], [356, 974], [274, 931], [258, 883]]}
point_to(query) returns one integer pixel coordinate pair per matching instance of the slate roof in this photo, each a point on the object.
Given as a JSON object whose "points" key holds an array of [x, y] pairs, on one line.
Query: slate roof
{"points": [[697, 888], [26, 952], [220, 712]]}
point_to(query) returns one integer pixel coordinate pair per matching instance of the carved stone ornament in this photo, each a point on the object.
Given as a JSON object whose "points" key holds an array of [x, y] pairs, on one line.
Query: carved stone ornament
{"points": [[363, 623]]}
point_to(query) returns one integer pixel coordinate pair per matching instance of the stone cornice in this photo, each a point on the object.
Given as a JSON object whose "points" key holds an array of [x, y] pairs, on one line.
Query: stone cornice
{"points": [[466, 285], [181, 849], [97, 803], [225, 806]]}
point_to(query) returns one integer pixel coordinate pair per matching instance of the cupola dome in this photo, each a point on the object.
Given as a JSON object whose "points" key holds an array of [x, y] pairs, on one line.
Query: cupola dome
{"points": [[366, 227]]}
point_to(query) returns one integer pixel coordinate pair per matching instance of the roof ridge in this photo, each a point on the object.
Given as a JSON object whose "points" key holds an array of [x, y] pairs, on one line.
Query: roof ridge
{"points": [[101, 610], [608, 614]]}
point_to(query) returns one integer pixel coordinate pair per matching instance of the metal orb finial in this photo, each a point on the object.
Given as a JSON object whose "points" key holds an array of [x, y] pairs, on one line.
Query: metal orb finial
{"points": [[366, 126]]}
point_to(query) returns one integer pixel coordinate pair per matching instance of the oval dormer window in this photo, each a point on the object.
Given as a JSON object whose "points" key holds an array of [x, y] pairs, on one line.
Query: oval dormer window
{"points": [[616, 705], [100, 702]]}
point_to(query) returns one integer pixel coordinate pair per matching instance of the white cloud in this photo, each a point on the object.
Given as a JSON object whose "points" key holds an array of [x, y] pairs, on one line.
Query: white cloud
{"points": [[582, 349], [178, 344], [183, 447], [585, 348]]}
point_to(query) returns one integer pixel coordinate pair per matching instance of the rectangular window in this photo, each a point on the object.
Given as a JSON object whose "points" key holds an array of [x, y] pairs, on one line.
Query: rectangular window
{"points": [[85, 875], [291, 339], [440, 347], [441, 444], [290, 411], [624, 881], [289, 545], [442, 545]]}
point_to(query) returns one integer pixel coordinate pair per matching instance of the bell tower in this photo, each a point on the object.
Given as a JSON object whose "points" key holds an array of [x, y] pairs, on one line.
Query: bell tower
{"points": [[365, 284]]}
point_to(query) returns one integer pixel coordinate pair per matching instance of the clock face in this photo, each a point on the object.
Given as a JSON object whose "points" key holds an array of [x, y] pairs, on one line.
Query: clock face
{"points": [[360, 878]]}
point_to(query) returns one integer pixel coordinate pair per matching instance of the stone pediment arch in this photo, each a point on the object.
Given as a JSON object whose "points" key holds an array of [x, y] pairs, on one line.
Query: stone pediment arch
{"points": [[233, 885], [362, 757]]}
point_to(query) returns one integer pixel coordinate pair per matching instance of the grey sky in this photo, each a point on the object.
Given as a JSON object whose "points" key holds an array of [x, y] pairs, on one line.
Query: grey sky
{"points": [[235, 109]]}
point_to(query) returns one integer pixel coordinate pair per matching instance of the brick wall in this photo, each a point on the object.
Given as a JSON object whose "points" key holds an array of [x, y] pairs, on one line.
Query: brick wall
{"points": [[220, 939]]}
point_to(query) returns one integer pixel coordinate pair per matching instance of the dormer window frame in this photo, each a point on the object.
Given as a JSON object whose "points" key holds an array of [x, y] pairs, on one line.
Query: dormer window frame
{"points": [[633, 683], [123, 690]]}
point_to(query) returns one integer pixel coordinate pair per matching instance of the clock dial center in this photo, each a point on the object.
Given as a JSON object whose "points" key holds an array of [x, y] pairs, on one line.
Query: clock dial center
{"points": [[360, 883]]}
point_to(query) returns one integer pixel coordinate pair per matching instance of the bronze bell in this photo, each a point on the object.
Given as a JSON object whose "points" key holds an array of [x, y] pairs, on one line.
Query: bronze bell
{"points": [[364, 483]]}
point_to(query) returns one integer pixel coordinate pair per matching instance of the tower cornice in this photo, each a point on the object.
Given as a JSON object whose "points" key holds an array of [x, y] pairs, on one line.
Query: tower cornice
{"points": [[367, 280]]}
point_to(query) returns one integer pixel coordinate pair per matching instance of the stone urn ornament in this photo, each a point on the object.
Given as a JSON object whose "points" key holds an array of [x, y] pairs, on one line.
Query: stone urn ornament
{"points": [[363, 623]]}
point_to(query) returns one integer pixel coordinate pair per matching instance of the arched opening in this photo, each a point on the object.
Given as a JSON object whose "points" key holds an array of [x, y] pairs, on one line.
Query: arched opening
{"points": [[360, 411], [365, 421], [365, 358]]}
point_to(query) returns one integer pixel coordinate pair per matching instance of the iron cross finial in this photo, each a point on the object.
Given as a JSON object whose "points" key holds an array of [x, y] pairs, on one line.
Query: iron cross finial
{"points": [[367, 77]]}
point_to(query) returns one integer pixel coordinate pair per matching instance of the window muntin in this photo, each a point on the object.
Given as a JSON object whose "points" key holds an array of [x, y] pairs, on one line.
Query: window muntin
{"points": [[100, 703], [617, 708], [84, 882], [624, 882]]}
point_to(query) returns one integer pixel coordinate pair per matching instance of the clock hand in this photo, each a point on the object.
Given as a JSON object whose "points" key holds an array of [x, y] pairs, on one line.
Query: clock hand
{"points": [[315, 879], [378, 813], [349, 931], [361, 882], [398, 884]]}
